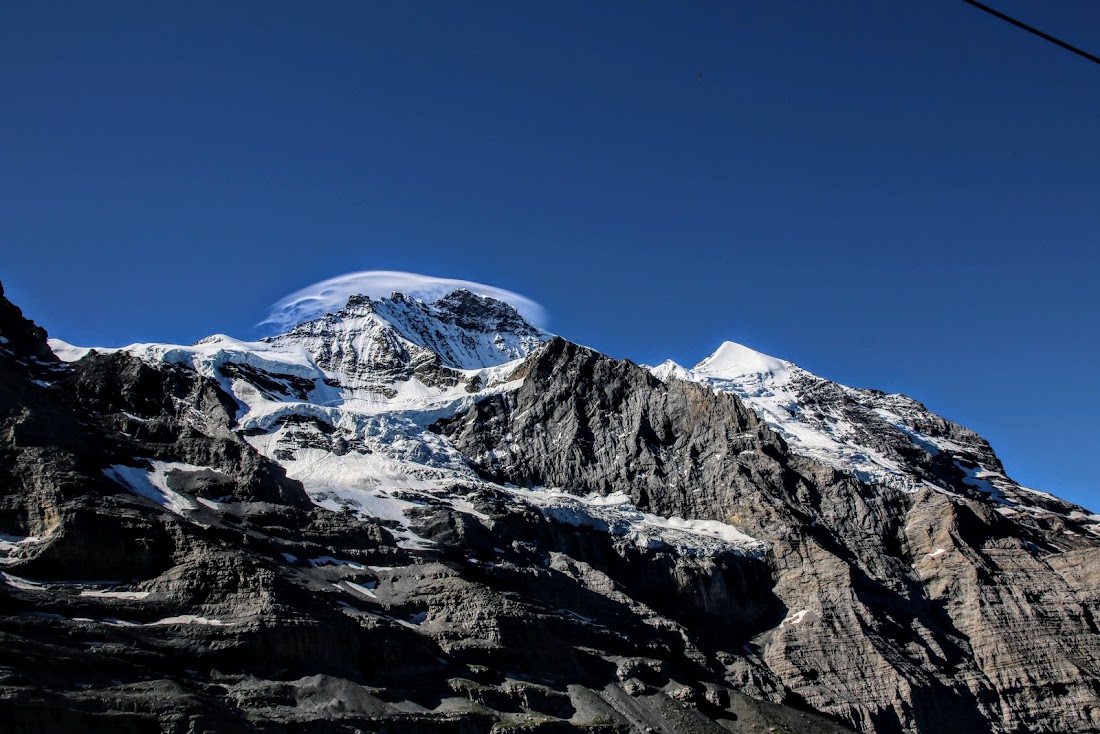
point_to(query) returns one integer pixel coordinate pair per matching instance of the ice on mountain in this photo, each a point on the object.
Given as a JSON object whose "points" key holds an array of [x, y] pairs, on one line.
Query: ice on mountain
{"points": [[131, 595], [616, 514], [669, 370], [732, 360], [152, 484], [330, 295], [68, 352], [345, 400], [849, 428]]}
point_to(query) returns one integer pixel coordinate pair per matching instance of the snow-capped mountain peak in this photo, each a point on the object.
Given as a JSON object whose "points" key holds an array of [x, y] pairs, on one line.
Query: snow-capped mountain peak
{"points": [[878, 438], [398, 334], [329, 296], [670, 370], [344, 401], [499, 482], [736, 360]]}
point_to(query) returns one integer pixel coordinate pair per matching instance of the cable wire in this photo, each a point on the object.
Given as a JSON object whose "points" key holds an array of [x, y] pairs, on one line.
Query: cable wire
{"points": [[1036, 31]]}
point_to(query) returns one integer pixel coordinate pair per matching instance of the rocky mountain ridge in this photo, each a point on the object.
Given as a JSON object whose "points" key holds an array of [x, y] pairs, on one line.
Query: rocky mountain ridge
{"points": [[409, 516], [875, 437]]}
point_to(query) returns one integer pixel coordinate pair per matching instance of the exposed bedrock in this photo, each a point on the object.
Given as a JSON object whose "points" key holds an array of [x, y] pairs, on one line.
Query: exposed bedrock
{"points": [[159, 573], [903, 611]]}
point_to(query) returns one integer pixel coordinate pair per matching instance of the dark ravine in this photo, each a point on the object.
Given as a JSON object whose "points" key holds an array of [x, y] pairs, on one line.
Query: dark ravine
{"points": [[872, 609]]}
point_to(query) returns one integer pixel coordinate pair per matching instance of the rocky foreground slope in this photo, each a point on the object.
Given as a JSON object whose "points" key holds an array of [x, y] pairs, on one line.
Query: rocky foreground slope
{"points": [[435, 517]]}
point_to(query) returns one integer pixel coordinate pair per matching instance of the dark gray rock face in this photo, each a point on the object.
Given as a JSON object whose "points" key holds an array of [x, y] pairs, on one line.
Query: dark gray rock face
{"points": [[205, 593], [593, 424], [904, 611], [159, 573], [20, 338]]}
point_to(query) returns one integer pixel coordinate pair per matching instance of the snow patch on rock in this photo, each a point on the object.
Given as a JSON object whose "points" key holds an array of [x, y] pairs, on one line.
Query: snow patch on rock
{"points": [[152, 483], [616, 514]]}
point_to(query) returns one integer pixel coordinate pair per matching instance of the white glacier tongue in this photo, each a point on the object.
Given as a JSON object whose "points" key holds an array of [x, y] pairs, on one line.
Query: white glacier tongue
{"points": [[344, 402]]}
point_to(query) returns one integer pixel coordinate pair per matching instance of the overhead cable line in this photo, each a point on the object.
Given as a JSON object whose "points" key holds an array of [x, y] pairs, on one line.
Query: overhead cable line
{"points": [[1036, 31]]}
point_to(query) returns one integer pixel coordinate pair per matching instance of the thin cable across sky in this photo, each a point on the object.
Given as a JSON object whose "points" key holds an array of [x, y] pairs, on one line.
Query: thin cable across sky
{"points": [[1036, 31]]}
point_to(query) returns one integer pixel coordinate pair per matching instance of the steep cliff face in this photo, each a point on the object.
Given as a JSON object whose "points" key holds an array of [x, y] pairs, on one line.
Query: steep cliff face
{"points": [[159, 572], [942, 608], [410, 516]]}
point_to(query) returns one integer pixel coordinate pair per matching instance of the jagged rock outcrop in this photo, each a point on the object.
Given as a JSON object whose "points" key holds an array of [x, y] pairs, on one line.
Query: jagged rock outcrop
{"points": [[20, 338], [924, 611]]}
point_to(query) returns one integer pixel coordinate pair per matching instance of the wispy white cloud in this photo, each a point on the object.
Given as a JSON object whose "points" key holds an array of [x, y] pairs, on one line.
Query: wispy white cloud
{"points": [[332, 294]]}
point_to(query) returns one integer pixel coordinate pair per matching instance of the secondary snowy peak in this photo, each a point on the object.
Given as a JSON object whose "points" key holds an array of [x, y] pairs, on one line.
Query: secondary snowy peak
{"points": [[732, 360], [669, 370], [878, 438], [389, 336], [731, 363]]}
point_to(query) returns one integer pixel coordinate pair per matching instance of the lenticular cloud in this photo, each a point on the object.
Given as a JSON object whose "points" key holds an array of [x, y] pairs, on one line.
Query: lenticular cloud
{"points": [[331, 295]]}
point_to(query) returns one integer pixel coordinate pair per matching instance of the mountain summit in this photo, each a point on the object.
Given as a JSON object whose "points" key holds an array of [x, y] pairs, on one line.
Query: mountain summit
{"points": [[427, 514], [878, 438], [460, 331]]}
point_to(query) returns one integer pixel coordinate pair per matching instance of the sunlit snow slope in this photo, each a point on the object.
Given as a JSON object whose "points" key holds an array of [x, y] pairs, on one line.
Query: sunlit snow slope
{"points": [[878, 438], [344, 403]]}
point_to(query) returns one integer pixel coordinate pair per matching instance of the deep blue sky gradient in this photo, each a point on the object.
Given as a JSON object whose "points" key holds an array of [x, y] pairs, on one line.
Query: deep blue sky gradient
{"points": [[894, 195]]}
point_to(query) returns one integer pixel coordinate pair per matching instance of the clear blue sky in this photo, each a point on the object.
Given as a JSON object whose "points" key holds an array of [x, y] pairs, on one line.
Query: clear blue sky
{"points": [[894, 195]]}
